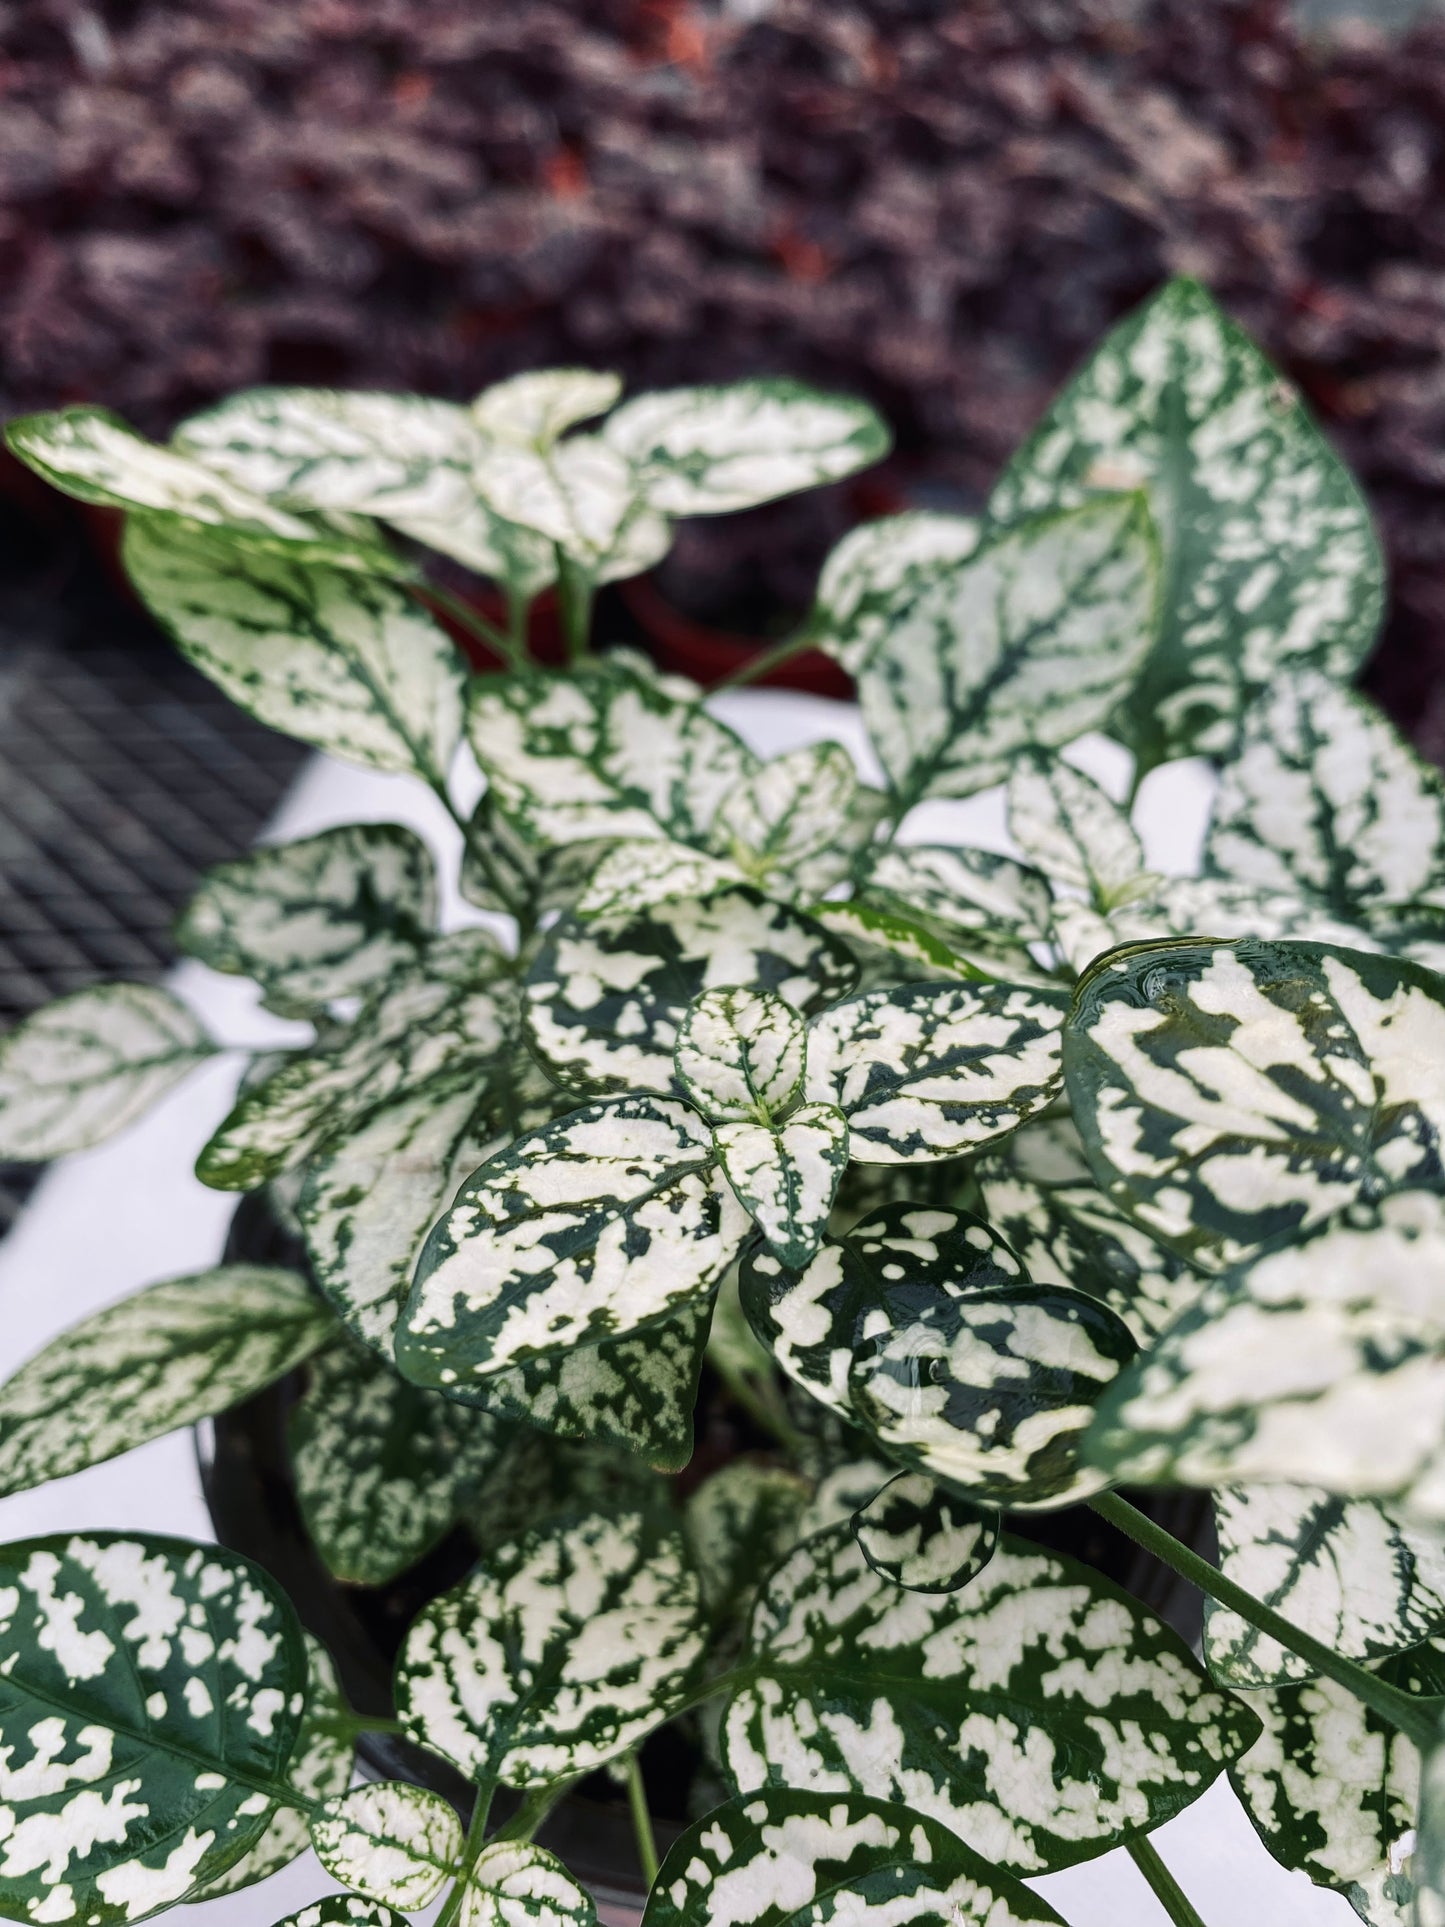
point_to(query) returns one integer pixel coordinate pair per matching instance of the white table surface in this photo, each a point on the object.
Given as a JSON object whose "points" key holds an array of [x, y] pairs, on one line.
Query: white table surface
{"points": [[105, 1222]]}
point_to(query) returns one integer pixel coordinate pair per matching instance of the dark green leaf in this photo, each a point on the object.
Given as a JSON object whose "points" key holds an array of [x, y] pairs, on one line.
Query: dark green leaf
{"points": [[924, 1537]]}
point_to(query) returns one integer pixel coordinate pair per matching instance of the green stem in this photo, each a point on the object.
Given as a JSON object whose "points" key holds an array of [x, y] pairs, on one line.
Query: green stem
{"points": [[470, 619], [761, 1409], [1167, 1891], [575, 590], [1416, 1716], [499, 882], [766, 660], [641, 1820], [533, 1811], [518, 606], [476, 1836]]}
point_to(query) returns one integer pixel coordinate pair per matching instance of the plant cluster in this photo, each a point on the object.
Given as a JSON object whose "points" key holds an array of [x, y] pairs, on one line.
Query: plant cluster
{"points": [[987, 1182]]}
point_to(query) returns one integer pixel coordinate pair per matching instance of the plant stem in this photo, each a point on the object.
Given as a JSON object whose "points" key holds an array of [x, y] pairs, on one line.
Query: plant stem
{"points": [[641, 1819], [533, 1811], [574, 595], [1414, 1715], [515, 907], [512, 653], [766, 660], [1167, 1891], [476, 1836], [758, 1406]]}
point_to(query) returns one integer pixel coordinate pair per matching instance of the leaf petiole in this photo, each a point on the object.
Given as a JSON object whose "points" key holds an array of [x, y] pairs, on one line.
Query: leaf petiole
{"points": [[641, 1820], [1166, 1889], [512, 650], [767, 660]]}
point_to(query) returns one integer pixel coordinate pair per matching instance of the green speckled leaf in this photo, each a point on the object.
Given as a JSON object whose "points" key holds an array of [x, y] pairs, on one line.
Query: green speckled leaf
{"points": [[738, 1524], [924, 1537], [538, 877], [706, 451], [873, 574], [1230, 1095], [973, 895], [1332, 1789], [605, 998], [797, 824], [892, 949], [150, 1702], [607, 1221], [82, 1068], [559, 1652], [1270, 559], [1065, 824], [1354, 1575], [389, 1841], [634, 876], [1323, 1364], [533, 409], [785, 1859], [513, 1883], [933, 1070], [344, 1910], [1040, 1713], [740, 1055], [1034, 639], [329, 916], [579, 493], [785, 1175], [166, 1357]]}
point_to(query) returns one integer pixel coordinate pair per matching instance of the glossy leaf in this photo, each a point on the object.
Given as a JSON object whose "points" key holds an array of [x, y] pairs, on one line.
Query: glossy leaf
{"points": [[740, 1055], [534, 408], [344, 1910], [82, 1068], [1065, 824], [513, 1883], [150, 1703], [559, 1652], [389, 1841], [924, 1537], [785, 1175], [933, 1070], [1034, 639], [1039, 1713], [1270, 557], [873, 574], [347, 663], [607, 1221], [798, 823]]}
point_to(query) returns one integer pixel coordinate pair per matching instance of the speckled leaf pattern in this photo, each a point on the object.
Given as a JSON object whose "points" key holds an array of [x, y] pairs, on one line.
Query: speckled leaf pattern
{"points": [[740, 1055], [1034, 639], [383, 1469], [933, 1070], [738, 1524], [780, 1858], [707, 451], [1332, 1789], [873, 574], [1230, 1095], [559, 1652], [389, 1841], [533, 409], [150, 1700], [604, 998], [613, 751], [1350, 1572], [329, 916], [924, 1537], [962, 893], [785, 1175], [82, 1068], [349, 664], [163, 1358], [1065, 825], [580, 494], [609, 1220], [635, 876], [900, 1260], [797, 825], [344, 1910], [1323, 1364], [1270, 560], [894, 950], [539, 877], [1040, 1714], [513, 1883]]}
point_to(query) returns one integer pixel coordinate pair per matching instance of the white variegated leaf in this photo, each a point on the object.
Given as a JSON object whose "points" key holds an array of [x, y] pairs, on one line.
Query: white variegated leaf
{"points": [[797, 824], [1427, 1863], [150, 1703], [893, 950], [1065, 824], [741, 1055], [933, 1070], [1039, 1713], [533, 409], [538, 877], [1357, 1577], [350, 664], [579, 493], [874, 573], [738, 1524], [779, 1858], [607, 1221], [1270, 557], [961, 893], [1034, 639], [561, 1651], [344, 1910], [326, 917], [513, 1883], [166, 1357], [635, 876], [1230, 1095], [706, 451], [924, 1537], [1195, 906], [785, 1175], [389, 1841], [82, 1068]]}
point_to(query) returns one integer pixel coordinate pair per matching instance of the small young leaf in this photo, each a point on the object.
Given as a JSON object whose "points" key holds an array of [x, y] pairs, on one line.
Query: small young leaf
{"points": [[897, 950], [1357, 1577], [166, 1357], [932, 1070], [390, 1841], [924, 1537], [1230, 1095], [1040, 1713], [580, 494], [533, 409], [740, 1055], [330, 916], [82, 1068], [1034, 639], [607, 1221], [785, 1859], [797, 824], [785, 1175], [962, 893], [1064, 823], [151, 1701], [1271, 559], [636, 876], [707, 451], [561, 1651], [344, 1910], [738, 1524], [347, 663], [513, 1883], [875, 572]]}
